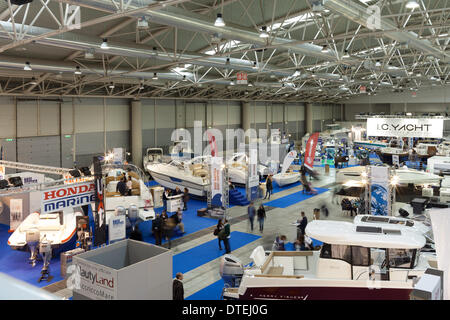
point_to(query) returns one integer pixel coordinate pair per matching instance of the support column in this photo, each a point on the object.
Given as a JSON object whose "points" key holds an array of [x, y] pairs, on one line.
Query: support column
{"points": [[309, 118], [246, 117], [136, 132]]}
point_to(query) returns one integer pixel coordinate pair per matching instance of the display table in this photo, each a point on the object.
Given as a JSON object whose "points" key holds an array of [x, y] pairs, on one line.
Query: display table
{"points": [[174, 203]]}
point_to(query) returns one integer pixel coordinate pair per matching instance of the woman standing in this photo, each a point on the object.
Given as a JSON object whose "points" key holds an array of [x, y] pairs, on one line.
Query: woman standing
{"points": [[269, 186], [261, 213], [219, 227], [185, 198]]}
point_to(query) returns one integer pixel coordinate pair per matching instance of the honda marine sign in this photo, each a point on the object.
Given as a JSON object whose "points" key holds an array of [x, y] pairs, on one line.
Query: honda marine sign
{"points": [[405, 127]]}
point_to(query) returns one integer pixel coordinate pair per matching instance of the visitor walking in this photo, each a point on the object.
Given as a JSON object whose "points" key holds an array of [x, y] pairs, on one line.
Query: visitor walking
{"points": [[269, 186], [219, 227], [157, 229], [224, 235], [261, 213], [177, 287], [302, 224], [251, 214], [185, 198]]}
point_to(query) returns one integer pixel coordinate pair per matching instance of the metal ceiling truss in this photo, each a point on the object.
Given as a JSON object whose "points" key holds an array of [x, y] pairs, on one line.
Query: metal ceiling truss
{"points": [[409, 51]]}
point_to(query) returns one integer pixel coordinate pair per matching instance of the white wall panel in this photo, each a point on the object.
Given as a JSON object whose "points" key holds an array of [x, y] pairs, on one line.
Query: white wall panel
{"points": [[260, 112], [277, 112], [48, 118], [66, 117], [180, 109], [27, 115], [195, 112], [117, 115], [165, 114], [7, 118], [89, 115], [220, 113], [148, 114], [234, 113]]}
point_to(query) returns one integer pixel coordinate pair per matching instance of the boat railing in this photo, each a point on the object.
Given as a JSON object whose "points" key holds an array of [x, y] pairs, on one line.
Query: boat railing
{"points": [[126, 167]]}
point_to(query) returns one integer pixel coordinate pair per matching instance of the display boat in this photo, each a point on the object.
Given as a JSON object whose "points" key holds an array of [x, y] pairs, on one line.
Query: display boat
{"points": [[237, 168], [354, 263], [386, 154], [287, 176], [58, 228], [152, 155], [369, 144], [140, 194], [404, 174], [192, 174]]}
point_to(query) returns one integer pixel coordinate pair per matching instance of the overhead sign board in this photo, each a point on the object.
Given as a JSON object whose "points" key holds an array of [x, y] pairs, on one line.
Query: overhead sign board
{"points": [[67, 196], [405, 127], [241, 78]]}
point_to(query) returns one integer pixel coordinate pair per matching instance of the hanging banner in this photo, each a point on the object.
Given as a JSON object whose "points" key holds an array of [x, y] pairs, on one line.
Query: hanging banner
{"points": [[288, 160], [379, 190], [16, 213], [395, 159], [253, 177], [405, 127], [99, 213], [118, 155], [310, 152], [67, 196], [216, 181], [241, 78]]}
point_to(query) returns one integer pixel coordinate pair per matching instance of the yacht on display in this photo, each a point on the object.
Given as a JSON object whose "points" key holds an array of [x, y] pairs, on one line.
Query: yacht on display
{"points": [[58, 228], [358, 175], [140, 194], [287, 176], [355, 262], [241, 160], [395, 148], [152, 155], [192, 174], [369, 144]]}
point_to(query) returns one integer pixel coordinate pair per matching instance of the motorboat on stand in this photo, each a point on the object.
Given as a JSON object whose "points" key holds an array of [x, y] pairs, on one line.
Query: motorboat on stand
{"points": [[140, 194], [354, 263], [192, 174], [395, 148], [152, 155], [287, 176], [57, 228], [237, 166]]}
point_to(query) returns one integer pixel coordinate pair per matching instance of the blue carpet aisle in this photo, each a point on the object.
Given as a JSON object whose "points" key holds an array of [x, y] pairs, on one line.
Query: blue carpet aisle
{"points": [[208, 251], [15, 263], [211, 292], [292, 199]]}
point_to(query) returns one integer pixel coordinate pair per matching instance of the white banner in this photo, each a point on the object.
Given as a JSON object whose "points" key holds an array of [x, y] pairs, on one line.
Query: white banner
{"points": [[216, 181], [117, 228], [405, 127], [288, 160], [2, 172], [16, 213], [379, 191], [118, 155], [67, 196], [253, 179], [94, 281]]}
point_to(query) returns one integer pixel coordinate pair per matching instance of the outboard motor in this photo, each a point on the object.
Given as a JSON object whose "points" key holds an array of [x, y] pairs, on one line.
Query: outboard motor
{"points": [[133, 214], [45, 250], [32, 238], [231, 270]]}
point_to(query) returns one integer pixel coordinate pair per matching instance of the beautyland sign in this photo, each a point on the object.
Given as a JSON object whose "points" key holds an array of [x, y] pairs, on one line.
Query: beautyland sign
{"points": [[405, 127], [67, 196]]}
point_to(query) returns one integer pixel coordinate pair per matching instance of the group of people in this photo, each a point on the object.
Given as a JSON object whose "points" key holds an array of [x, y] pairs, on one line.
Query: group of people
{"points": [[260, 214], [301, 243], [125, 186], [222, 232], [163, 226], [169, 193]]}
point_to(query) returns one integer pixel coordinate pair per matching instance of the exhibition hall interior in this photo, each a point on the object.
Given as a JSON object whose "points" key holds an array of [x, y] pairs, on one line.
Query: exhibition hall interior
{"points": [[224, 150]]}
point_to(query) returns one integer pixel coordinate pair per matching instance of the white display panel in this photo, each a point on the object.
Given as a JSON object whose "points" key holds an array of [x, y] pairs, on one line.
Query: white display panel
{"points": [[405, 127]]}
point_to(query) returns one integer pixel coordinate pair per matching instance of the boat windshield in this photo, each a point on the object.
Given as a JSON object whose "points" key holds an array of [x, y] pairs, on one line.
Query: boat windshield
{"points": [[402, 258]]}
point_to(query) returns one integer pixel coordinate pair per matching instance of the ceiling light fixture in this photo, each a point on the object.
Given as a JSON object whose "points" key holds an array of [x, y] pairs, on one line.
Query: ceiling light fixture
{"points": [[324, 48], [33, 81], [104, 44], [412, 4], [111, 85], [346, 55], [296, 73], [184, 78], [155, 76], [77, 70], [219, 21], [255, 66], [27, 66], [263, 33]]}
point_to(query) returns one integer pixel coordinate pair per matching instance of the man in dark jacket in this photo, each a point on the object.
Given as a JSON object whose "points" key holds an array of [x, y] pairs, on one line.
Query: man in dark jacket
{"points": [[261, 216], [177, 288], [185, 198], [224, 235], [251, 214], [269, 186], [122, 187], [157, 229], [302, 223]]}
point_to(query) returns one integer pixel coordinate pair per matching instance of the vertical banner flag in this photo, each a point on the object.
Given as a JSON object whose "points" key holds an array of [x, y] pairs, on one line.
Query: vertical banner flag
{"points": [[2, 172], [311, 150], [379, 191], [288, 160], [253, 177], [99, 213], [216, 181], [16, 213]]}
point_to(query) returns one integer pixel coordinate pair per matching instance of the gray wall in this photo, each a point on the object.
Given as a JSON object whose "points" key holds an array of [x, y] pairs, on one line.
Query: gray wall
{"points": [[71, 131]]}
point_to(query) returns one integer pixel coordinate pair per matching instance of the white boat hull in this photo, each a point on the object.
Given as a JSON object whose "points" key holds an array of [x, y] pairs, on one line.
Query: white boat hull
{"points": [[284, 179], [195, 188]]}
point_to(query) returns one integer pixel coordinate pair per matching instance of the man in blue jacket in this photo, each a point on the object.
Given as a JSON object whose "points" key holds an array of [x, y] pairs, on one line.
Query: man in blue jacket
{"points": [[251, 214]]}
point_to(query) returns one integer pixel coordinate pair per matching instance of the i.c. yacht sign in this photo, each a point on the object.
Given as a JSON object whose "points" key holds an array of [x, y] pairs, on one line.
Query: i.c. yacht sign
{"points": [[405, 127]]}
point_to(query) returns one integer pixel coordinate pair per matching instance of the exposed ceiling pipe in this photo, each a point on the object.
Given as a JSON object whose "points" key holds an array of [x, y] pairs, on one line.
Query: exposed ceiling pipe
{"points": [[359, 14], [183, 19]]}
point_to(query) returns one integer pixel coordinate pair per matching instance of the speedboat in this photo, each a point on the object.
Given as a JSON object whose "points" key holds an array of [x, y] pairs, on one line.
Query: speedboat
{"points": [[287, 176], [152, 155], [404, 176], [140, 194], [354, 263], [237, 168], [182, 149], [192, 174], [56, 228]]}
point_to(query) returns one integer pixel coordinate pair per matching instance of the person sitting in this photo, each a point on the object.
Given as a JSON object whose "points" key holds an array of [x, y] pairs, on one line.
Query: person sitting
{"points": [[129, 185], [122, 187], [278, 244]]}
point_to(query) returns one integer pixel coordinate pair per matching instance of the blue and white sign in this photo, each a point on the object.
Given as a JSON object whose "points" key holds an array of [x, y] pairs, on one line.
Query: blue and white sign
{"points": [[379, 191], [253, 177], [67, 196], [117, 228]]}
